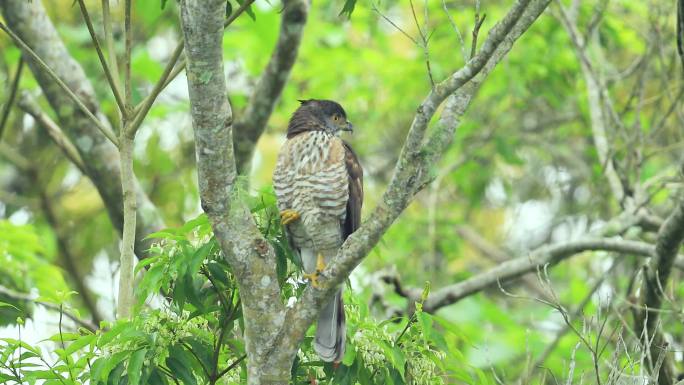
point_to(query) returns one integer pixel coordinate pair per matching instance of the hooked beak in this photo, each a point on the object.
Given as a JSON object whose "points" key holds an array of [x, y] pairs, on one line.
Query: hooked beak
{"points": [[349, 127]]}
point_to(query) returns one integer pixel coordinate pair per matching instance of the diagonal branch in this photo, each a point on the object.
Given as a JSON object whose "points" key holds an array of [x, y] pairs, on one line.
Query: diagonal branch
{"points": [[12, 95], [107, 131], [17, 296], [412, 169], [596, 94], [29, 105], [545, 255], [251, 124], [105, 67], [172, 70], [669, 241]]}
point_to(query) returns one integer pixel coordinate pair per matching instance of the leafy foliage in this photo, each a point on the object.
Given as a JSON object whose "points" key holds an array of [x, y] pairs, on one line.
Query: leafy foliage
{"points": [[523, 172], [189, 325]]}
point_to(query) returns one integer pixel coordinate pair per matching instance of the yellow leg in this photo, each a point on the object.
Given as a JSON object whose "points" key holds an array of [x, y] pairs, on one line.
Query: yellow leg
{"points": [[320, 263], [288, 216], [313, 277]]}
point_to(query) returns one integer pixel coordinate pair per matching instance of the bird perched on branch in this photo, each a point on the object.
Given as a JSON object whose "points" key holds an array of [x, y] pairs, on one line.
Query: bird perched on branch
{"points": [[318, 182]]}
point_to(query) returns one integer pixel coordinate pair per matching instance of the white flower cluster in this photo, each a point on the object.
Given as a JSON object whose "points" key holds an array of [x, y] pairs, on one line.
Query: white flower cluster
{"points": [[366, 345], [421, 370], [311, 356], [167, 328]]}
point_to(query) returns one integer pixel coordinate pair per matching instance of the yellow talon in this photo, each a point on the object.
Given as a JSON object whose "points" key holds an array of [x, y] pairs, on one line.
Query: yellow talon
{"points": [[313, 277], [320, 263], [288, 216]]}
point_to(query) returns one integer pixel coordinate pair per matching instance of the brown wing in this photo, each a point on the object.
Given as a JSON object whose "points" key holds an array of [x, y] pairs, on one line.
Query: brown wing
{"points": [[355, 201]]}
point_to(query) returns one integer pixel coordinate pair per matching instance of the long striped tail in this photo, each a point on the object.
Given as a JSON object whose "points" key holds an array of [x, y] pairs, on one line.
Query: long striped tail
{"points": [[331, 331]]}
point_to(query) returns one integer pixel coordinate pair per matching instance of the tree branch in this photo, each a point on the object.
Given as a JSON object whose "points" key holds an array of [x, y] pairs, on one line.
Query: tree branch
{"points": [[252, 122], [595, 95], [29, 105], [17, 296], [12, 95], [513, 268], [495, 254], [35, 58], [101, 159], [412, 169], [669, 241], [171, 70], [105, 68]]}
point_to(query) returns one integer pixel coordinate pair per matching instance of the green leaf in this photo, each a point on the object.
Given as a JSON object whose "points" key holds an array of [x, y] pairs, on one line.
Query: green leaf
{"points": [[114, 376], [229, 9], [157, 377], [135, 366], [112, 363], [96, 370], [181, 370], [426, 324], [349, 354], [249, 10], [5, 304], [202, 350], [79, 343], [218, 273], [108, 336], [348, 8]]}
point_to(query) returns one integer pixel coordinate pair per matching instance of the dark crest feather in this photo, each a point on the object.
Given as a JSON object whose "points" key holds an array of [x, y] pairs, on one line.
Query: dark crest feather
{"points": [[311, 114]]}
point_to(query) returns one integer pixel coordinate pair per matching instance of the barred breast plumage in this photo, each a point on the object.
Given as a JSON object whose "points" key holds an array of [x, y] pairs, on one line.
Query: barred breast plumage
{"points": [[311, 178]]}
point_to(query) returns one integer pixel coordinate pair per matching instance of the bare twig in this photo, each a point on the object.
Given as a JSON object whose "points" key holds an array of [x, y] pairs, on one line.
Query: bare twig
{"points": [[476, 29], [562, 332], [17, 296], [171, 71], [105, 68], [424, 42], [105, 130], [680, 30], [128, 40], [109, 40], [458, 31], [387, 19], [30, 106], [12, 95]]}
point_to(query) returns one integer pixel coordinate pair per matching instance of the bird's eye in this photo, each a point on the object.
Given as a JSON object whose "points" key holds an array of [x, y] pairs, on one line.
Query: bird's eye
{"points": [[336, 118]]}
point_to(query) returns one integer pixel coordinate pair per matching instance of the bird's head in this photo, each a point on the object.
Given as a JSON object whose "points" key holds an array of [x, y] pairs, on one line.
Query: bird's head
{"points": [[319, 115]]}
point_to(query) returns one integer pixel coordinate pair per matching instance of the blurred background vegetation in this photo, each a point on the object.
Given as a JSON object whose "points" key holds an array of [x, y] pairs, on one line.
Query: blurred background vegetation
{"points": [[523, 172]]}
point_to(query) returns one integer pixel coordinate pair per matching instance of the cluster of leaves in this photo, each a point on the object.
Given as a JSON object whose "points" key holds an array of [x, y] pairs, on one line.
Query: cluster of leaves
{"points": [[26, 261], [189, 324]]}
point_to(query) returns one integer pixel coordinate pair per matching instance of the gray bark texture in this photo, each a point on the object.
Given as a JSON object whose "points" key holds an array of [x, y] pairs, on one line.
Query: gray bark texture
{"points": [[272, 331], [656, 277], [30, 22]]}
